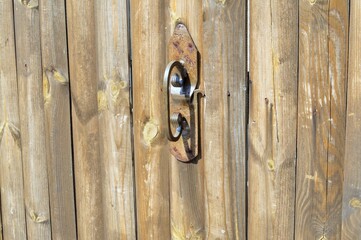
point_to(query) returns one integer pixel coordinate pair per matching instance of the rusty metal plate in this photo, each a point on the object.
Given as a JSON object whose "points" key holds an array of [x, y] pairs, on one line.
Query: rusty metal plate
{"points": [[182, 48]]}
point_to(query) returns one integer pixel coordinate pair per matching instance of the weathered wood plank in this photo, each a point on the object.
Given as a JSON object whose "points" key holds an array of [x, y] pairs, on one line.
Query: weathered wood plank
{"points": [[32, 124], [57, 118], [11, 170], [321, 119], [186, 180], [272, 119], [351, 209], [83, 81], [338, 22], [151, 154], [313, 124], [114, 119], [224, 133]]}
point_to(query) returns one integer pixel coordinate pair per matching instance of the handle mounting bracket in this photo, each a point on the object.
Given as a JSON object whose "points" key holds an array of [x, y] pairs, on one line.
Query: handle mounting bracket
{"points": [[181, 93]]}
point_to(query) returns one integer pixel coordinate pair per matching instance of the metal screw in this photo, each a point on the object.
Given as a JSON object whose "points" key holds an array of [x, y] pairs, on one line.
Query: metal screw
{"points": [[176, 120], [176, 80]]}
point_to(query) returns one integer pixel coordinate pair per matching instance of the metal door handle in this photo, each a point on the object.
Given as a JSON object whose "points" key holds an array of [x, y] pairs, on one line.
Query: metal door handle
{"points": [[181, 96], [177, 80]]}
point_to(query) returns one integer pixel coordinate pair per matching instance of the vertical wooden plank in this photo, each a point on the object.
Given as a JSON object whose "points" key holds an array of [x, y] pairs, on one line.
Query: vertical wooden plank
{"points": [[338, 22], [11, 169], [224, 76], [351, 209], [186, 180], [57, 118], [32, 125], [313, 124], [151, 154], [312, 132], [272, 119], [321, 118], [83, 82], [114, 119]]}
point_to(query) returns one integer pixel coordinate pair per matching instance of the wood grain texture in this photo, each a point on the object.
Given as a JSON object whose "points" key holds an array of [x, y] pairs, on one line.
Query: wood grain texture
{"points": [[114, 119], [32, 119], [272, 118], [83, 81], [313, 124], [338, 21], [321, 120], [186, 180], [57, 118], [151, 154], [11, 170], [351, 208], [224, 133]]}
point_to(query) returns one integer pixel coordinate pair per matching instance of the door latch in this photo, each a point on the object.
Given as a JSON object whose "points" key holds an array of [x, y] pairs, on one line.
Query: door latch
{"points": [[181, 95]]}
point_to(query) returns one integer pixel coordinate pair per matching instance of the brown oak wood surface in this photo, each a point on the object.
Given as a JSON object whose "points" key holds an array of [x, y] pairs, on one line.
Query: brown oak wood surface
{"points": [[351, 207], [32, 119], [321, 119], [272, 119], [12, 211], [56, 95], [115, 140], [81, 24]]}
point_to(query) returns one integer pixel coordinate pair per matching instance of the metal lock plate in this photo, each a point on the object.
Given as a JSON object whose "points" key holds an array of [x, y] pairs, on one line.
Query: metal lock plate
{"points": [[180, 84]]}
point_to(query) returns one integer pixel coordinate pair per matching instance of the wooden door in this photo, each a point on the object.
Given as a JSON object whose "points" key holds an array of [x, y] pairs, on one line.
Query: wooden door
{"points": [[84, 152], [204, 199]]}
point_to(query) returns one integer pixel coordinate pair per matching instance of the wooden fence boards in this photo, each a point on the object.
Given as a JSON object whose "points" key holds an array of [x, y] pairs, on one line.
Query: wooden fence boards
{"points": [[351, 212], [83, 149], [151, 155], [114, 119], [12, 211], [32, 119], [186, 186], [272, 119], [186, 180], [57, 118], [83, 81], [223, 61]]}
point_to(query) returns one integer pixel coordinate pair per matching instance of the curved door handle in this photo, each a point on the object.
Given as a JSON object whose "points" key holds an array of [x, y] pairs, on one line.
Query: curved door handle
{"points": [[181, 96], [176, 80]]}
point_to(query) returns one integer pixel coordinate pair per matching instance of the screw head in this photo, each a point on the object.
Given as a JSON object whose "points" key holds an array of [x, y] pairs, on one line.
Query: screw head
{"points": [[176, 80]]}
